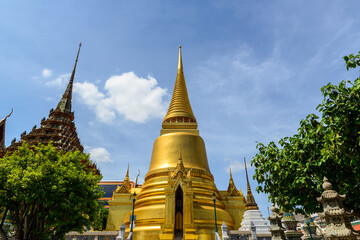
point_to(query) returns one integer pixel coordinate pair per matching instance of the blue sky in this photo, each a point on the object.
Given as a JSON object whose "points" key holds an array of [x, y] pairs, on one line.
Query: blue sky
{"points": [[253, 71]]}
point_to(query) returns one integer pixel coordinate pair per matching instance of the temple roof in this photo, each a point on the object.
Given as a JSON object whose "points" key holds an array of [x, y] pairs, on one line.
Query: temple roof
{"points": [[59, 127], [180, 109]]}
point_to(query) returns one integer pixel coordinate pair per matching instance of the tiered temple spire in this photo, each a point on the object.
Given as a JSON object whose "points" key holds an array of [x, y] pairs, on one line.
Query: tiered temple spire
{"points": [[65, 102], [180, 114], [250, 200], [59, 128]]}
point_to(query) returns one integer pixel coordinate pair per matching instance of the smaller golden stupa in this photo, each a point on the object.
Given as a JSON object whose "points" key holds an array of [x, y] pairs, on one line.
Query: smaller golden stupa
{"points": [[176, 197]]}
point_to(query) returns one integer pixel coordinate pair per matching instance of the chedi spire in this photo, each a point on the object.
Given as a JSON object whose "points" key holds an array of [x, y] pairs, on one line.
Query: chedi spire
{"points": [[180, 114], [65, 103], [250, 200]]}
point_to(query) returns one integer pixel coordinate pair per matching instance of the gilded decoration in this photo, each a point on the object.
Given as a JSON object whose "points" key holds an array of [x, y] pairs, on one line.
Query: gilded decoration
{"points": [[232, 190], [125, 186], [175, 200]]}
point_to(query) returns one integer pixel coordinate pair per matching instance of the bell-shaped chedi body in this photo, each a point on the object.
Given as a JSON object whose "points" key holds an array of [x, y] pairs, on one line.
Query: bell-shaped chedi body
{"points": [[176, 197]]}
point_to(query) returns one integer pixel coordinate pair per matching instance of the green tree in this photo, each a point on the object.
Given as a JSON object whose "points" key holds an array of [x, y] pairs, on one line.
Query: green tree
{"points": [[100, 223], [292, 172], [48, 193]]}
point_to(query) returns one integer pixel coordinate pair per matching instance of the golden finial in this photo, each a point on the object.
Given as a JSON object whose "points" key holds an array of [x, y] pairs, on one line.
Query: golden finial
{"points": [[127, 172], [231, 178], [180, 66], [126, 180]]}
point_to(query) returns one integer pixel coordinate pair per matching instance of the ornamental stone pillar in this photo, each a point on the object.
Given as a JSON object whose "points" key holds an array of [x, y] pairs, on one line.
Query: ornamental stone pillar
{"points": [[338, 224], [276, 229]]}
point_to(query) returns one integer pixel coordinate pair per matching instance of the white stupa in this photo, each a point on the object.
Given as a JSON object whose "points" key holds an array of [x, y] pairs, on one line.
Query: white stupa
{"points": [[252, 214]]}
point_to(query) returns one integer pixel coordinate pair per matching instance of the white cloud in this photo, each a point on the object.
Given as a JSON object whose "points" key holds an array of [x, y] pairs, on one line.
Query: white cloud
{"points": [[236, 165], [59, 81], [136, 99], [47, 73], [99, 155]]}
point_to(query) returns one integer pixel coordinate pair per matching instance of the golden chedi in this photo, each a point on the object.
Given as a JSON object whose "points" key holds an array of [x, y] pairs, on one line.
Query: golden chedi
{"points": [[176, 197]]}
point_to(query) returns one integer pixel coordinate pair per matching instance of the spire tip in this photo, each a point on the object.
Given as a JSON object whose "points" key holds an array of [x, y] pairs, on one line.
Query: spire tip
{"points": [[127, 172], [180, 66]]}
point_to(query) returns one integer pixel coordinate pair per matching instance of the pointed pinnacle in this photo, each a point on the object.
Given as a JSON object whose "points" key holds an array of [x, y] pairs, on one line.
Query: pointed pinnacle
{"points": [[250, 200], [127, 172], [231, 178], [180, 66], [73, 72], [247, 177], [180, 163], [180, 105], [65, 102]]}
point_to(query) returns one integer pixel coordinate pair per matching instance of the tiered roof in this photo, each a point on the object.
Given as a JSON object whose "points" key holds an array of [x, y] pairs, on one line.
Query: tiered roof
{"points": [[59, 128]]}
